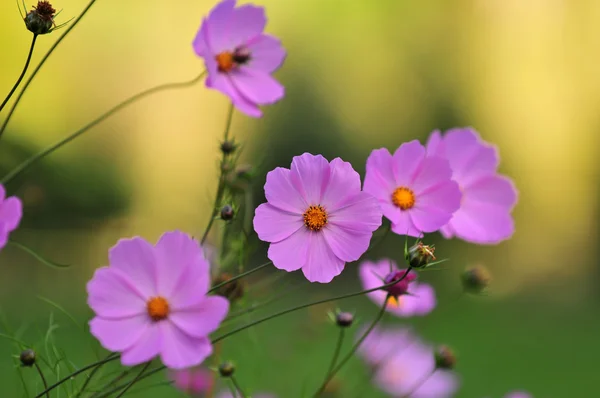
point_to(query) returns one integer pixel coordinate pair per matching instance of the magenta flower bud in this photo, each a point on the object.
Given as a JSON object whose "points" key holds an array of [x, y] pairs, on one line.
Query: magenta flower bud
{"points": [[344, 319], [445, 358], [476, 279], [227, 213], [40, 20], [401, 287]]}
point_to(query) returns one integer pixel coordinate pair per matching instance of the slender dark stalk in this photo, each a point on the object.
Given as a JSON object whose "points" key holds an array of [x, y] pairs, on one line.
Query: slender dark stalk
{"points": [[418, 384], [43, 380], [89, 378], [221, 184], [77, 372], [19, 169], [356, 346], [135, 380], [22, 74], [336, 353], [124, 385], [37, 68], [237, 386], [243, 274]]}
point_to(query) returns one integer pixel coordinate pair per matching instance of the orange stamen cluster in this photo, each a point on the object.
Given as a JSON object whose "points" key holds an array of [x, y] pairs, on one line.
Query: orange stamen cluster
{"points": [[315, 218], [403, 198], [158, 308]]}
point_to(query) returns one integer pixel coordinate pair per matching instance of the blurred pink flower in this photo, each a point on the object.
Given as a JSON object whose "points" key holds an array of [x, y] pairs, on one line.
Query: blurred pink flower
{"points": [[316, 217], [410, 297], [239, 57], [194, 381], [151, 300], [518, 394], [415, 192], [488, 198], [11, 211], [404, 366], [227, 394]]}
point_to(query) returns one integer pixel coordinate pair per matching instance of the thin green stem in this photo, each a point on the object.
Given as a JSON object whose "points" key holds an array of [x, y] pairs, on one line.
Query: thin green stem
{"points": [[89, 378], [135, 380], [418, 384], [336, 353], [77, 372], [221, 184], [37, 68], [243, 274], [356, 346], [114, 380], [43, 380], [22, 74], [19, 169], [124, 385], [237, 386]]}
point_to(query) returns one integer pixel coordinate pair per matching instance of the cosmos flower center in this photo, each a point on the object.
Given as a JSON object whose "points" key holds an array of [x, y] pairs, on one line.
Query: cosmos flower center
{"points": [[395, 301], [315, 218], [403, 198], [227, 60], [158, 308]]}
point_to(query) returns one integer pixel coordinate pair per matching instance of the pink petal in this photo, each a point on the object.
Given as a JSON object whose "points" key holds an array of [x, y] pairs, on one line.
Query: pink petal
{"points": [[247, 22], [175, 252], [344, 184], [482, 223], [220, 26], [404, 225], [120, 334], [361, 213], [492, 189], [135, 258], [379, 178], [145, 348], [435, 208], [11, 211], [199, 44], [310, 174], [447, 231], [179, 351], [407, 162], [347, 245], [322, 265], [2, 193], [112, 295], [282, 193], [483, 162], [267, 53], [433, 171], [290, 254], [256, 86], [435, 145], [3, 235], [273, 225], [423, 296], [191, 287], [468, 153], [441, 384], [203, 318]]}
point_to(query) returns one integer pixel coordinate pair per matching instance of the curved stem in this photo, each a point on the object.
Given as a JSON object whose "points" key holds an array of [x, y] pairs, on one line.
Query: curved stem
{"points": [[221, 185], [22, 74], [336, 355], [124, 385], [37, 68], [89, 378], [356, 346], [418, 384], [43, 380], [243, 274], [237, 386], [69, 377], [19, 169], [135, 380]]}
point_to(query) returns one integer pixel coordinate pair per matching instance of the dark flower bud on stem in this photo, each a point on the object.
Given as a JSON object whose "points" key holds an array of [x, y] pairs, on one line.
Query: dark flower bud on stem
{"points": [[40, 20], [344, 319], [403, 282], [227, 213], [232, 291], [27, 357], [445, 358], [420, 255], [475, 279], [226, 369], [228, 147]]}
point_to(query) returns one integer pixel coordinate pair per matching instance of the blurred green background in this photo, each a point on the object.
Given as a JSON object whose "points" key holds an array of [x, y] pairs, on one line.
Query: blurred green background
{"points": [[359, 75]]}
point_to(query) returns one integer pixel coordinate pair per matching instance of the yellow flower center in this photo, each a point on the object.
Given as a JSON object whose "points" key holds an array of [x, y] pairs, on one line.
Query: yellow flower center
{"points": [[158, 308], [225, 61], [315, 218], [403, 198], [394, 302]]}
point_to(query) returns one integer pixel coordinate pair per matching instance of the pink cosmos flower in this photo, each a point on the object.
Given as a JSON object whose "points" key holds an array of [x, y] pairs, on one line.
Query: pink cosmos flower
{"points": [[194, 381], [488, 198], [404, 366], [11, 211], [239, 57], [410, 298], [151, 300], [227, 394], [415, 191], [316, 217]]}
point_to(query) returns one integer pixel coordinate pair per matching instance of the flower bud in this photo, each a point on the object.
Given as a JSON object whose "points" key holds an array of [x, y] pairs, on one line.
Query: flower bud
{"points": [[226, 369], [228, 147], [445, 358], [27, 357], [40, 20], [344, 319], [232, 291], [420, 255], [227, 213], [401, 287], [475, 279]]}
